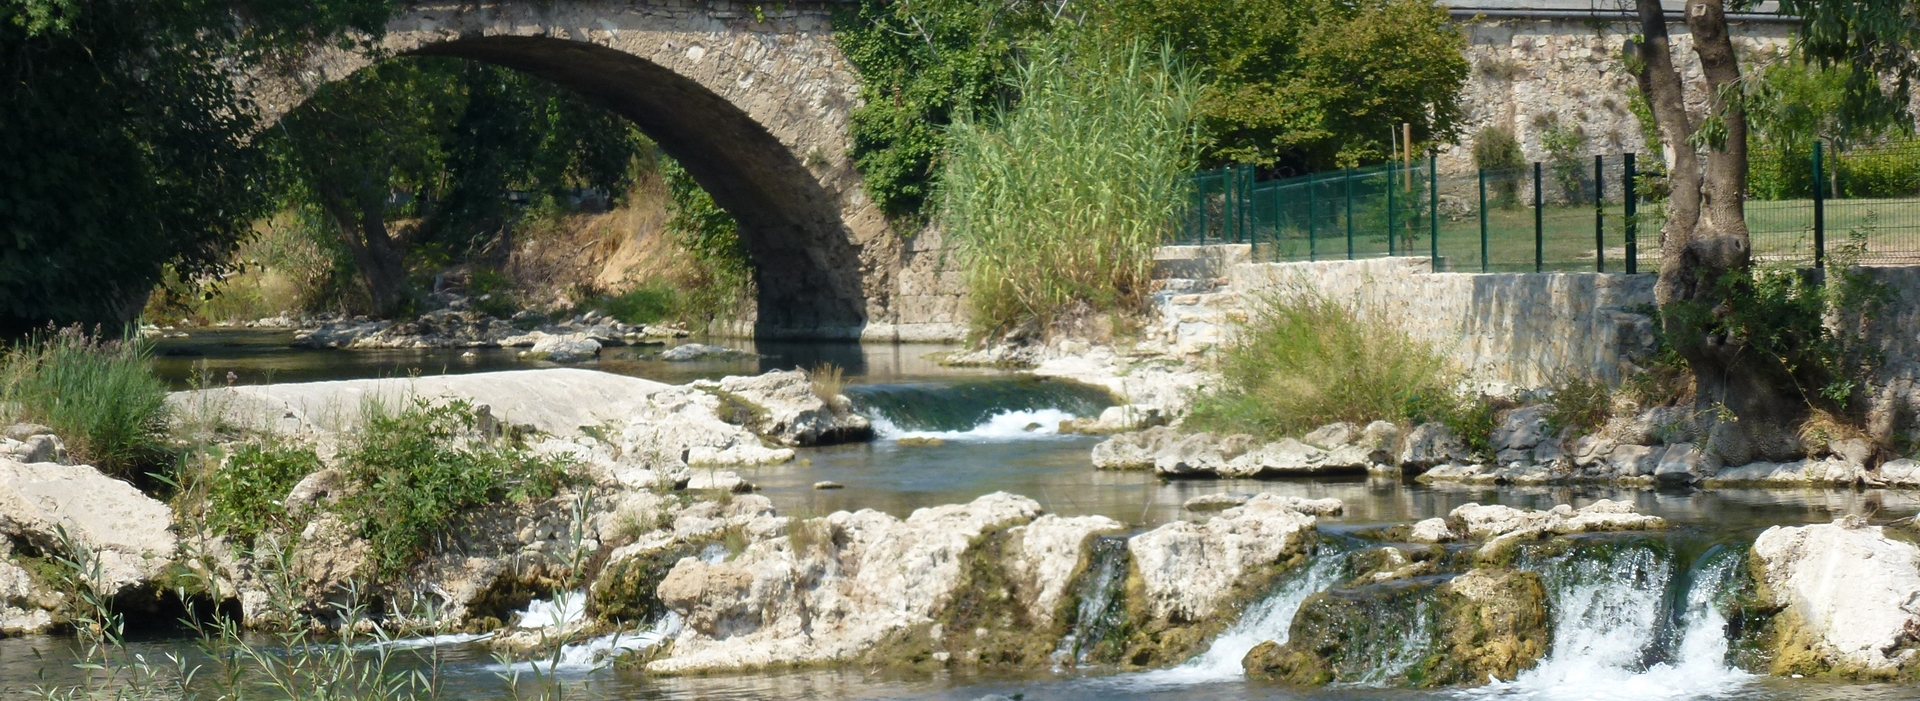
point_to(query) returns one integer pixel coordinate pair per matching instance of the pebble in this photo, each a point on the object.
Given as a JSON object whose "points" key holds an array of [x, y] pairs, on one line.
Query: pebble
{"points": [[828, 485]]}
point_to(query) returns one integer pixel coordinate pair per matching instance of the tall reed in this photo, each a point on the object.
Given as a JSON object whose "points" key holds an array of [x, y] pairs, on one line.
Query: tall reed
{"points": [[100, 396], [1058, 204]]}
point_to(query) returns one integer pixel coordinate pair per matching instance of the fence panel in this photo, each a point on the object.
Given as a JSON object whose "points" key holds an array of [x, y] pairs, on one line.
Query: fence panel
{"points": [[1574, 214]]}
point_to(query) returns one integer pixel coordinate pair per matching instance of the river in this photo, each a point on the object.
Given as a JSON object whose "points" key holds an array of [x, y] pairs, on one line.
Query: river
{"points": [[1633, 620]]}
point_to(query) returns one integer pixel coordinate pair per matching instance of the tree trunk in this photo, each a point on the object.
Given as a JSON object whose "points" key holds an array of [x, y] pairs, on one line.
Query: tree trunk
{"points": [[363, 228], [1743, 399]]}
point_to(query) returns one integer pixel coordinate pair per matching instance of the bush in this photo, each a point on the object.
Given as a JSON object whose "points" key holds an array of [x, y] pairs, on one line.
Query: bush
{"points": [[1306, 361], [642, 305], [100, 396], [246, 494], [413, 471], [1058, 205], [1579, 403]]}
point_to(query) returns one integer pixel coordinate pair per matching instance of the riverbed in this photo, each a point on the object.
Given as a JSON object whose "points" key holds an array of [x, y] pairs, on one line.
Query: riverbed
{"points": [[1632, 625]]}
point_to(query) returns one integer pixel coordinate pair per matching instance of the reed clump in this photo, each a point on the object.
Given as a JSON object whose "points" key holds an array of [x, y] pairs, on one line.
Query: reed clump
{"points": [[99, 395], [1057, 204], [1304, 361]]}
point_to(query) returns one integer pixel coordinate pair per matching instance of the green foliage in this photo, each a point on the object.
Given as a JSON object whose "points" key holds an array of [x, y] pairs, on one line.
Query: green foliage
{"points": [[1567, 159], [492, 293], [1306, 361], [1794, 103], [1783, 318], [922, 65], [642, 305], [1890, 170], [413, 471], [1496, 149], [1058, 204], [1472, 420], [246, 493], [123, 151], [1580, 403], [1311, 83], [708, 233], [99, 396]]}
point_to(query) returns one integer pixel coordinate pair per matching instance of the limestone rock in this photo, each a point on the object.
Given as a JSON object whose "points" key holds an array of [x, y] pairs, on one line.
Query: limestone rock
{"points": [[1432, 530], [323, 486], [833, 595], [699, 351], [1201, 454], [1848, 598], [1828, 472], [1521, 429], [32, 447], [1133, 451], [1280, 458], [1188, 571], [1900, 473], [128, 531], [1215, 502], [1495, 521], [1430, 444], [1686, 463], [1332, 435], [1493, 624], [1045, 556], [795, 415], [24, 608], [568, 348], [1630, 460], [718, 480], [1115, 419]]}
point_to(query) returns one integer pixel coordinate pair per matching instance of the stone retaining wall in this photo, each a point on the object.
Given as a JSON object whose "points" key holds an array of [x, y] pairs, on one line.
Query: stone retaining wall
{"points": [[1519, 330]]}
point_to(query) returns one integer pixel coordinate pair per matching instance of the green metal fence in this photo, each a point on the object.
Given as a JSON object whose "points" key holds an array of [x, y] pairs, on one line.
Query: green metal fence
{"points": [[1598, 213]]}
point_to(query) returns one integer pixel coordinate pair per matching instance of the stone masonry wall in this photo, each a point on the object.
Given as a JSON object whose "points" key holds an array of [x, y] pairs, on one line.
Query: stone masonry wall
{"points": [[1511, 330], [1529, 75]]}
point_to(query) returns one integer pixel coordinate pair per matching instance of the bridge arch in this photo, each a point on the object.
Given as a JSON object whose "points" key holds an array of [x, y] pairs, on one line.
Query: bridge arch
{"points": [[753, 101]]}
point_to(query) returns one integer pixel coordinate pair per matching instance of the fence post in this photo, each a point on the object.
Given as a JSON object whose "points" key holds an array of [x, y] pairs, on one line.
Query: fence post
{"points": [[1312, 208], [1393, 229], [1483, 220], [1433, 208], [1539, 223], [1629, 201], [1819, 210], [1349, 179], [1599, 214]]}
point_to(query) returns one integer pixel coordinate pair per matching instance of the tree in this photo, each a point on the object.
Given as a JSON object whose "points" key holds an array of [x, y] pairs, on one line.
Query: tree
{"points": [[122, 144], [1750, 392], [1310, 83]]}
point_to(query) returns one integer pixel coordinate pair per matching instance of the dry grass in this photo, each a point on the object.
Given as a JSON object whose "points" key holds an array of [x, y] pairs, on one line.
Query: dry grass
{"points": [[828, 381]]}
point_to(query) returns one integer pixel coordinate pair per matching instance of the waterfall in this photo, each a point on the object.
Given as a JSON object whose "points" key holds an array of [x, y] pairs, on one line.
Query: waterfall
{"points": [[599, 652], [1098, 593], [1610, 614], [992, 409], [1269, 619]]}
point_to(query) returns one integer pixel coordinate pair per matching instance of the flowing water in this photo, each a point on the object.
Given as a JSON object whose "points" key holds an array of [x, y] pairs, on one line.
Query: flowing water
{"points": [[1635, 617]]}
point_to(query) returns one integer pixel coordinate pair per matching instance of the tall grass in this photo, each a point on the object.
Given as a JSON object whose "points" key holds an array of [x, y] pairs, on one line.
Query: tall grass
{"points": [[1058, 204], [100, 396], [1305, 361]]}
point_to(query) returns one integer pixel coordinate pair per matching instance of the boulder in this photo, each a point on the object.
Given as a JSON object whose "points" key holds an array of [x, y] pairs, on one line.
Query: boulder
{"points": [[1201, 454], [700, 351], [1811, 472], [1115, 419], [564, 348], [791, 412], [129, 532], [1191, 571], [1900, 473], [718, 480], [25, 605], [1432, 530], [1134, 450], [1332, 435], [1631, 460], [1505, 523], [1215, 502], [1285, 457], [1521, 429], [852, 581], [1844, 597], [38, 447], [1043, 556], [1686, 463], [1431, 444]]}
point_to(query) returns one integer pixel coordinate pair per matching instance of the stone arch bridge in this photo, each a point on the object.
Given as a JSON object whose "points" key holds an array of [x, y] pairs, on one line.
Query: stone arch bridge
{"points": [[752, 98]]}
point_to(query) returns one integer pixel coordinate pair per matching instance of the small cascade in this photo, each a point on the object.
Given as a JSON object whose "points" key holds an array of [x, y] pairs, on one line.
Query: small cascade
{"points": [[563, 610], [996, 409], [1618, 634], [1269, 619], [602, 651], [1098, 594]]}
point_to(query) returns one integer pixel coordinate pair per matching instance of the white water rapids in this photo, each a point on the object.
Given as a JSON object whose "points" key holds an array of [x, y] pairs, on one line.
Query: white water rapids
{"points": [[1004, 426]]}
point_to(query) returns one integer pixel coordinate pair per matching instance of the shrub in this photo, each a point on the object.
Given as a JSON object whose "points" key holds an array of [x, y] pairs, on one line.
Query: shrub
{"points": [[828, 380], [245, 495], [100, 396], [642, 305], [413, 471], [1579, 403], [1058, 205], [1305, 361]]}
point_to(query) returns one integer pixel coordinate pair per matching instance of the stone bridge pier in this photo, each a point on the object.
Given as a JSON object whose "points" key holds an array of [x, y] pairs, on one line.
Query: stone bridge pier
{"points": [[752, 98]]}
